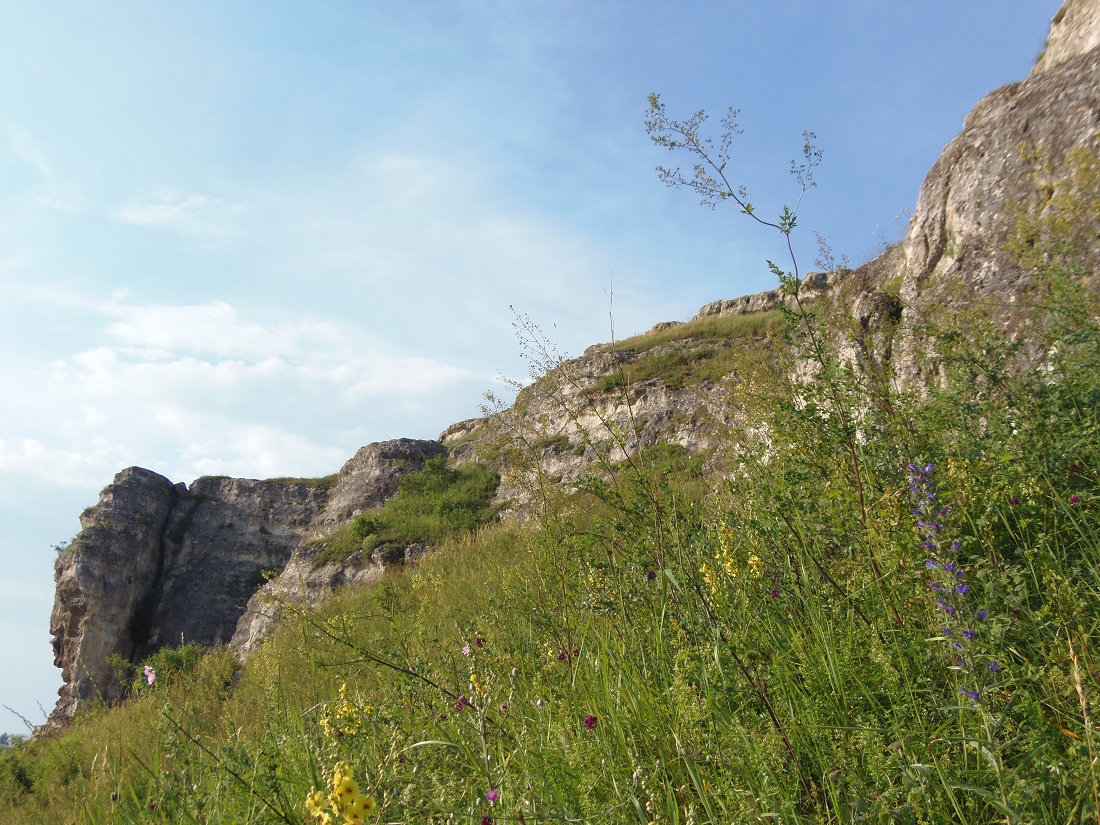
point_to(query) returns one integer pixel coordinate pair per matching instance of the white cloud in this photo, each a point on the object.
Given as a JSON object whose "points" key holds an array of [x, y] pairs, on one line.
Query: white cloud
{"points": [[204, 389], [197, 214]]}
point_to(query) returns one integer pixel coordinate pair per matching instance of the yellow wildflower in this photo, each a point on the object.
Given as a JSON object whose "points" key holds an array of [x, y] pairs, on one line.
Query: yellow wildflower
{"points": [[315, 803]]}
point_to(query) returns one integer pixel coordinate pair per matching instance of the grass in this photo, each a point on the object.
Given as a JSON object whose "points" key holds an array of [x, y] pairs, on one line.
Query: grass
{"points": [[703, 350], [888, 614], [323, 483], [707, 328], [658, 649], [435, 503]]}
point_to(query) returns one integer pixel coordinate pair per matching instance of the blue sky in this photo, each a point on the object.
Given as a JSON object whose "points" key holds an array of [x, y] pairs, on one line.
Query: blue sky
{"points": [[246, 238]]}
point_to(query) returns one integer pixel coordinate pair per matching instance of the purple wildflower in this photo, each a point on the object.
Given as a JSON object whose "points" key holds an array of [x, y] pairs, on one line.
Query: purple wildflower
{"points": [[1074, 499], [461, 703], [590, 722], [492, 796], [994, 665], [1014, 501], [651, 575], [479, 641], [962, 589], [930, 564], [969, 634], [981, 615]]}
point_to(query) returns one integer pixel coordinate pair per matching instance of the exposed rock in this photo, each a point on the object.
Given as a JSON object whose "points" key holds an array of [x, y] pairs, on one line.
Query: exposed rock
{"points": [[225, 530], [157, 564], [104, 578], [305, 582], [814, 285], [369, 479], [954, 250], [1074, 30]]}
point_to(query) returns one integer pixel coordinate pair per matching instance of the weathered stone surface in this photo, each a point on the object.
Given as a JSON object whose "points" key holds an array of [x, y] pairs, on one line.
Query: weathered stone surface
{"points": [[229, 531], [954, 249], [814, 285], [304, 582], [370, 477], [158, 564], [102, 578], [1074, 30]]}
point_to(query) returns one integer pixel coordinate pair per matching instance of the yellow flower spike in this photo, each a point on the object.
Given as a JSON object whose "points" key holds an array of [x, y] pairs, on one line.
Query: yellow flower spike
{"points": [[359, 808], [344, 788], [315, 803]]}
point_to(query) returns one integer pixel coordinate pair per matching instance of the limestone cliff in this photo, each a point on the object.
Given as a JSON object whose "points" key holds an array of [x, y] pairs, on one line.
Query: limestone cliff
{"points": [[157, 563], [954, 250]]}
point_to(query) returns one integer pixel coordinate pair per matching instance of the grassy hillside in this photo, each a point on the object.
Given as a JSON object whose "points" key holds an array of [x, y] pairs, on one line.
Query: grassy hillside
{"points": [[890, 613]]}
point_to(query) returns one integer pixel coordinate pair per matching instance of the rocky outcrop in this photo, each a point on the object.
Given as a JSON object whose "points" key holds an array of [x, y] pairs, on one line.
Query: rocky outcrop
{"points": [[954, 252], [305, 581], [369, 479], [105, 579], [157, 563], [1074, 30], [813, 286], [226, 530]]}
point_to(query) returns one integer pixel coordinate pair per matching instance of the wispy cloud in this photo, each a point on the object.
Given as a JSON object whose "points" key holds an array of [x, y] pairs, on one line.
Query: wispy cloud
{"points": [[198, 214]]}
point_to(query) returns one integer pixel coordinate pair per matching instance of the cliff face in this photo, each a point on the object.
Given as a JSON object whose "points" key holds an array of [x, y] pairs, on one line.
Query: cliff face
{"points": [[104, 578], [156, 562], [954, 250]]}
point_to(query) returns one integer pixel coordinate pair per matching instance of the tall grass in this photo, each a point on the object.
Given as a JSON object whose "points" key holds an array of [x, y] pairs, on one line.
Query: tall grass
{"points": [[889, 613]]}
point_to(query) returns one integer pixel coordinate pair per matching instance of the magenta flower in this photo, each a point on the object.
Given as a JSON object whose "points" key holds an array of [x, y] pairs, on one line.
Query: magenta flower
{"points": [[486, 820], [479, 641], [1074, 499], [461, 703], [492, 796], [150, 675], [590, 722]]}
